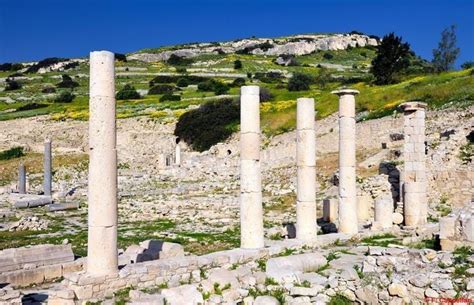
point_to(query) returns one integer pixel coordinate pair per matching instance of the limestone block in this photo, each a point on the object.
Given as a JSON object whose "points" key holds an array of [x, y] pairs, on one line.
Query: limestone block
{"points": [[63, 206], [182, 295], [250, 146], [293, 265], [102, 74], [468, 227], [306, 220], [347, 106], [223, 277], [384, 212], [103, 263], [250, 109], [158, 249], [306, 184], [305, 116], [447, 227], [330, 210], [251, 215], [348, 215], [23, 278], [30, 201], [305, 148], [364, 204], [250, 176], [347, 182], [52, 272]]}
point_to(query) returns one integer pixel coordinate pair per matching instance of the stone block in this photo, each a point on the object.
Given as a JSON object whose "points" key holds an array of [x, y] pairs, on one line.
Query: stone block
{"points": [[330, 210], [293, 265], [447, 227]]}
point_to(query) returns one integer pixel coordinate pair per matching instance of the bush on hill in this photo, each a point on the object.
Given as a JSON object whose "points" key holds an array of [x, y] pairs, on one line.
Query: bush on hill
{"points": [[467, 65], [299, 82], [64, 97], [45, 63], [170, 97], [67, 82], [31, 106], [128, 92], [120, 57], [160, 89], [269, 77], [209, 124], [237, 64], [213, 85], [10, 67], [12, 85], [238, 82], [176, 60], [168, 79], [265, 95]]}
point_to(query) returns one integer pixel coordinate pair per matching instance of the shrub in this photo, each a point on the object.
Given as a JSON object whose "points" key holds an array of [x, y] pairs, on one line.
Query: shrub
{"points": [[269, 77], [467, 65], [181, 70], [30, 106], [265, 95], [299, 82], [48, 90], [120, 57], [12, 85], [10, 67], [182, 82], [213, 85], [237, 64], [209, 124], [328, 56], [64, 97], [128, 92], [220, 88], [238, 82], [323, 77], [71, 65], [12, 153], [168, 79], [160, 89], [170, 97], [67, 82], [176, 60]]}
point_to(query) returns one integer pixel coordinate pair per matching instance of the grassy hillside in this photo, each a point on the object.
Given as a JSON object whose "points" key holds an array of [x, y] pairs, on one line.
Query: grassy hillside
{"points": [[331, 69]]}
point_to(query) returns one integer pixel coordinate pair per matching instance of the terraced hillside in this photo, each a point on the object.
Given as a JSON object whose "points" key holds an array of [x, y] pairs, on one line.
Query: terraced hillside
{"points": [[173, 80]]}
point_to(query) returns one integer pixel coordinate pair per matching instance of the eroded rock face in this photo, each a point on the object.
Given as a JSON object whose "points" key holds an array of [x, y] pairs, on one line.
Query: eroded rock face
{"points": [[293, 45]]}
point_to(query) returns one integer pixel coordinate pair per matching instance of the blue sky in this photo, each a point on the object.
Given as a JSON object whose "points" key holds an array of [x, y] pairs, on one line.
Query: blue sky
{"points": [[35, 29]]}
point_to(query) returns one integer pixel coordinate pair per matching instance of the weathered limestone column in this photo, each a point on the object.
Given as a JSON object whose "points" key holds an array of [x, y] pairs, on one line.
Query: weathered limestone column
{"points": [[251, 210], [414, 174], [347, 162], [47, 182], [330, 210], [177, 155], [306, 221], [21, 179], [384, 213], [102, 196], [364, 202]]}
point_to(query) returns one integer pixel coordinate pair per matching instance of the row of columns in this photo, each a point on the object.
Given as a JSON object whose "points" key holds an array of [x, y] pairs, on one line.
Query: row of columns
{"points": [[102, 193]]}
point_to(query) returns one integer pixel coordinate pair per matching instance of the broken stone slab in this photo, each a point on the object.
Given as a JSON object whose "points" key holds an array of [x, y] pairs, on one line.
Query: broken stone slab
{"points": [[149, 250], [63, 206], [183, 295], [280, 268], [29, 201], [40, 255]]}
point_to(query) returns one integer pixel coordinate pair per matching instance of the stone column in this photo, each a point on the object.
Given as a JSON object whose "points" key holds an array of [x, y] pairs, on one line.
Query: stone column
{"points": [[330, 210], [347, 162], [306, 222], [251, 210], [414, 174], [47, 182], [102, 195], [383, 213], [22, 179], [177, 155]]}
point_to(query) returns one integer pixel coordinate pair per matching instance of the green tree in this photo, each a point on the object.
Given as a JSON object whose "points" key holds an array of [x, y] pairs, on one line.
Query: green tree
{"points": [[128, 92], [237, 64], [392, 57], [445, 55], [299, 82]]}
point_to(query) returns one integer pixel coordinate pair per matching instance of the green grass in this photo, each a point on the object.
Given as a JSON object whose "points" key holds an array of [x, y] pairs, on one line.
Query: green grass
{"points": [[381, 240], [12, 153]]}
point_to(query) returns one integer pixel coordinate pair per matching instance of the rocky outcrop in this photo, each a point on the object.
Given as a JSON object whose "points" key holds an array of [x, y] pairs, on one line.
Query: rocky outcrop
{"points": [[293, 45]]}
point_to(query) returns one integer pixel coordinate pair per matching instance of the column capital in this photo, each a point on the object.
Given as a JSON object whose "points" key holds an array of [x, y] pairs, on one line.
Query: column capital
{"points": [[413, 106], [345, 91]]}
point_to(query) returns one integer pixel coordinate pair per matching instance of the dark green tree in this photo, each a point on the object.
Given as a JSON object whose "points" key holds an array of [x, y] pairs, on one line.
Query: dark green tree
{"points": [[445, 55], [299, 82], [392, 57], [237, 64], [128, 92]]}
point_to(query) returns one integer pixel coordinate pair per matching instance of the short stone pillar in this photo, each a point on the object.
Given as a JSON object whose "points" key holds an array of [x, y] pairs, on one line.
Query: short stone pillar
{"points": [[383, 213], [414, 174], [22, 179], [447, 232], [330, 210], [102, 195], [48, 175], [306, 220], [364, 202], [347, 162], [177, 155], [251, 209]]}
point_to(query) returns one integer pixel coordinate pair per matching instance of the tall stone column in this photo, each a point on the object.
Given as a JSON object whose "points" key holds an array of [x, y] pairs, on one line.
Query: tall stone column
{"points": [[306, 226], [102, 195], [414, 173], [48, 176], [347, 162], [251, 210], [21, 179]]}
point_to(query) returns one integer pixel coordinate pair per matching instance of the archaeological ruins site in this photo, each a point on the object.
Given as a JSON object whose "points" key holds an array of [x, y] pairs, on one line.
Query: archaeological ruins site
{"points": [[337, 210]]}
